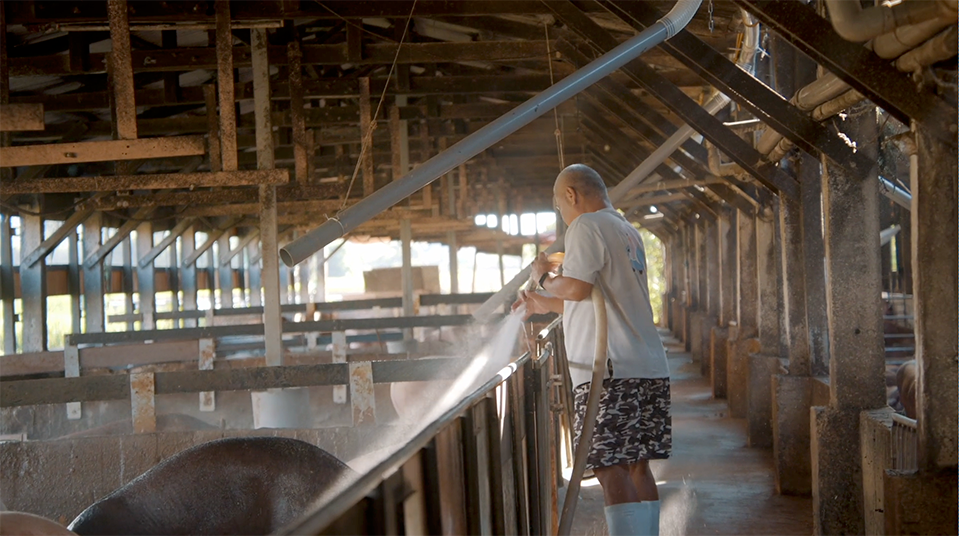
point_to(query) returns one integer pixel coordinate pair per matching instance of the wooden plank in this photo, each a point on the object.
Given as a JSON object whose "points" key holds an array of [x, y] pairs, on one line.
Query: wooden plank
{"points": [[157, 181], [101, 151], [186, 59], [145, 354], [20, 117], [31, 363]]}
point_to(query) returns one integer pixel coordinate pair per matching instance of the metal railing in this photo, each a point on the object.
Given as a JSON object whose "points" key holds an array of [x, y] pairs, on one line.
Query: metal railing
{"points": [[905, 444], [488, 465]]}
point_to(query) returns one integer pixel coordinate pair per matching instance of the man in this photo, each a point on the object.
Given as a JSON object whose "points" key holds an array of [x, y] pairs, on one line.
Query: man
{"points": [[633, 425]]}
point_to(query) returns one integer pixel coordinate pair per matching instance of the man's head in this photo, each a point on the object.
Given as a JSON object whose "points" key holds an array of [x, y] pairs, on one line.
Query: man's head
{"points": [[579, 189]]}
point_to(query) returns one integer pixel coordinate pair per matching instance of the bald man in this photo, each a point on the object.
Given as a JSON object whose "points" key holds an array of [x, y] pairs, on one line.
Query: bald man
{"points": [[634, 423]]}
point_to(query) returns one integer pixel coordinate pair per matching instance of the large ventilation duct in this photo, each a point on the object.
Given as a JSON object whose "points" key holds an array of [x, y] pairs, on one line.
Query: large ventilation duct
{"points": [[854, 23], [384, 198], [621, 191]]}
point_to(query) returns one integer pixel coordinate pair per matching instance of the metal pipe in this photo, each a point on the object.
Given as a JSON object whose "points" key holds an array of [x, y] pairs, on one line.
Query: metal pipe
{"points": [[381, 200], [941, 47], [895, 192], [853, 23], [896, 43]]}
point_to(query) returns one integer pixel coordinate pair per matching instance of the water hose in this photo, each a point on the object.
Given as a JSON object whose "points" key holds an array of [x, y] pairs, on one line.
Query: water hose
{"points": [[592, 409]]}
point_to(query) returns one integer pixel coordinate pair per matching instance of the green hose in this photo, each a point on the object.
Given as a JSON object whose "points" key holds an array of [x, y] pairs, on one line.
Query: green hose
{"points": [[592, 409]]}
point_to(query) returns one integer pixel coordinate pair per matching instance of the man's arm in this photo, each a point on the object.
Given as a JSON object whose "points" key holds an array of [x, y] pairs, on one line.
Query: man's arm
{"points": [[565, 288]]}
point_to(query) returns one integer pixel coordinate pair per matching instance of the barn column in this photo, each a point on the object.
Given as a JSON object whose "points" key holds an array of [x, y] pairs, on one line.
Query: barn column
{"points": [[33, 282], [792, 392], [765, 363], [925, 502], [851, 217], [745, 342], [720, 335], [93, 279]]}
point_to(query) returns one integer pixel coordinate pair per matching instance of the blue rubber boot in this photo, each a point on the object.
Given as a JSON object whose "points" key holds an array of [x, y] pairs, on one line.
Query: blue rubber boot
{"points": [[628, 519], [653, 517]]}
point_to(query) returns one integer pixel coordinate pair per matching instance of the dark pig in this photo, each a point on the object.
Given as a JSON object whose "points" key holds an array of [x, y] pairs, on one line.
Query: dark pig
{"points": [[244, 485]]}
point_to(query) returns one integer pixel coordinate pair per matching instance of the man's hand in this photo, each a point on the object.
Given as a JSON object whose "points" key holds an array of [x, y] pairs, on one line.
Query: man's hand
{"points": [[537, 304], [542, 265]]}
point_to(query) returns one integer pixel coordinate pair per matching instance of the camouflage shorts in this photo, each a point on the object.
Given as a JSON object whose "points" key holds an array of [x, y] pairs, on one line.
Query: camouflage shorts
{"points": [[633, 423]]}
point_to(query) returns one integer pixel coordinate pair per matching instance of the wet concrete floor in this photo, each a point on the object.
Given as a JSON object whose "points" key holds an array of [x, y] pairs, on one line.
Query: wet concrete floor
{"points": [[713, 483]]}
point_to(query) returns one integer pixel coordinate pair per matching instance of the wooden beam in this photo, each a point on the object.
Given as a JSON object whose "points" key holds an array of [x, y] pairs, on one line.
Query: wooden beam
{"points": [[187, 59], [19, 117], [227, 256], [181, 227], [200, 250], [128, 226], [145, 182], [101, 151], [56, 237]]}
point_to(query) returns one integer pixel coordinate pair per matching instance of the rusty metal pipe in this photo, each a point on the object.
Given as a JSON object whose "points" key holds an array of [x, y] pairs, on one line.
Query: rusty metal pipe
{"points": [[384, 198]]}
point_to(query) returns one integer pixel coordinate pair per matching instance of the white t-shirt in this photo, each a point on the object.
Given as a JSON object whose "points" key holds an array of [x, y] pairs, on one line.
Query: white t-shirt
{"points": [[603, 248]]}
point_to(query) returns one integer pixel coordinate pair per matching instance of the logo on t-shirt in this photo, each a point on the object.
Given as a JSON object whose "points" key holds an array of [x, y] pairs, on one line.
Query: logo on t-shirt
{"points": [[634, 249]]}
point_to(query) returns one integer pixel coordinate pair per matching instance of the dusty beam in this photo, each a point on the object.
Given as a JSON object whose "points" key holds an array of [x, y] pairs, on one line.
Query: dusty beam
{"points": [[101, 151], [17, 117], [159, 181]]}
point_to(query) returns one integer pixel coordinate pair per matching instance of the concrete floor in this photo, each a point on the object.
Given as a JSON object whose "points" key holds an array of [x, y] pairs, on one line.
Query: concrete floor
{"points": [[713, 483]]}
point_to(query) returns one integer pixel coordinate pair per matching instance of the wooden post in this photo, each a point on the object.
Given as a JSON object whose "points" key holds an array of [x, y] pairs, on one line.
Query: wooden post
{"points": [[256, 281], [294, 57], [93, 275], [188, 274], [270, 274], [406, 239], [143, 402], [340, 347], [73, 282], [320, 276], [366, 137], [146, 280], [33, 283], [126, 253], [207, 355], [6, 284], [361, 394], [224, 80], [225, 273]]}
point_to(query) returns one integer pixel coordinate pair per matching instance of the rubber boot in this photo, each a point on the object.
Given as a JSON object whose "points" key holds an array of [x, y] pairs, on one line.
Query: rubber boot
{"points": [[627, 519], [653, 517]]}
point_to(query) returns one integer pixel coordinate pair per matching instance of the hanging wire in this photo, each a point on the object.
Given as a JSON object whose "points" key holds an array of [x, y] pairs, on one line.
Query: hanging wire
{"points": [[558, 132], [367, 141]]}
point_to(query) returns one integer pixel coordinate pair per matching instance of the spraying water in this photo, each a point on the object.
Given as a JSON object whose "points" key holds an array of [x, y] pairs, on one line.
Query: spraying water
{"points": [[420, 403]]}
